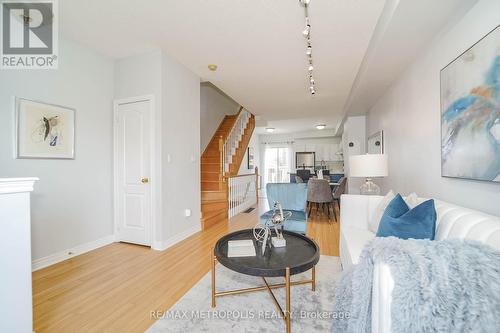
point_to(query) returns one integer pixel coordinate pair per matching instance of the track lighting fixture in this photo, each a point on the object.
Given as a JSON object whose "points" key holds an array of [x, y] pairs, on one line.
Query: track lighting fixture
{"points": [[307, 34]]}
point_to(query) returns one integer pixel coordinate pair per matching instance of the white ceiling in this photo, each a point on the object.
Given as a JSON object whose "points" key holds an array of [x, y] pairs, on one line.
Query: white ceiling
{"points": [[260, 51], [295, 125], [257, 44], [403, 33]]}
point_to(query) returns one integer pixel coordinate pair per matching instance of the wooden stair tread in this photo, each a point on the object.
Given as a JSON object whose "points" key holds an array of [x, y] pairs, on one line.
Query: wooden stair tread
{"points": [[209, 222], [214, 200], [208, 215], [220, 214]]}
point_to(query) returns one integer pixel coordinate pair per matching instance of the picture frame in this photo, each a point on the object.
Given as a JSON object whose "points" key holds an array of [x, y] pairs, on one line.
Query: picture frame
{"points": [[43, 130], [470, 136], [250, 158]]}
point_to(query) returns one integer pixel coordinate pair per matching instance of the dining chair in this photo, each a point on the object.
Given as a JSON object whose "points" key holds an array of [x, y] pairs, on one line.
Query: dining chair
{"points": [[292, 197], [304, 174], [337, 193], [319, 195]]}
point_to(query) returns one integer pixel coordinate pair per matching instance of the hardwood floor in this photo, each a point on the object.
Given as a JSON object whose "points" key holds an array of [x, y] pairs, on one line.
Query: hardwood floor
{"points": [[114, 288]]}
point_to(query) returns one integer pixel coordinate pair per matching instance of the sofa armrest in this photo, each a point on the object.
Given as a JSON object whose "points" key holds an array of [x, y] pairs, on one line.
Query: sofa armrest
{"points": [[383, 284], [354, 210]]}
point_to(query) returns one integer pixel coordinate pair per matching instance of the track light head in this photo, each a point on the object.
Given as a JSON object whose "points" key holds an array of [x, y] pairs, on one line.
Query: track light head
{"points": [[307, 30]]}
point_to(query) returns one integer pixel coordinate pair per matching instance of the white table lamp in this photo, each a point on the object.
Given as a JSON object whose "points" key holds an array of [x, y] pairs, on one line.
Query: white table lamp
{"points": [[368, 166]]}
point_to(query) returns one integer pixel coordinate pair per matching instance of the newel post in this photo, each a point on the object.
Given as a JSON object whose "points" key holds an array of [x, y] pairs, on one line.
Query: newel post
{"points": [[222, 157], [257, 183]]}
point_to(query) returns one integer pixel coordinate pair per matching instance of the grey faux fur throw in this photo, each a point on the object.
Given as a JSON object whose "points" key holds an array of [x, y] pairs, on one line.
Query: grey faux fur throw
{"points": [[439, 286]]}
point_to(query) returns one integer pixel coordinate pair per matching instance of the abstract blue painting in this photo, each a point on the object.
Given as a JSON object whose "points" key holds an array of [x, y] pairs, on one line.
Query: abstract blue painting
{"points": [[470, 112]]}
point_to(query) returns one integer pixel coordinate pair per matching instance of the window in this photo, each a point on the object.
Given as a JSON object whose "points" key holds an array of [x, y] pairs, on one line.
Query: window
{"points": [[277, 165]]}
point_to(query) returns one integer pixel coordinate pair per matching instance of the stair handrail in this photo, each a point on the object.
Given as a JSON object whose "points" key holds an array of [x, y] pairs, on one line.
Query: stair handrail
{"points": [[234, 137]]}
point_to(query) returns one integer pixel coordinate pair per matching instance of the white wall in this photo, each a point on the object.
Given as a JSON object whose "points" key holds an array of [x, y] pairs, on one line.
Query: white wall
{"points": [[409, 114], [176, 91], [253, 143], [138, 76], [72, 202], [214, 105], [354, 133], [180, 142]]}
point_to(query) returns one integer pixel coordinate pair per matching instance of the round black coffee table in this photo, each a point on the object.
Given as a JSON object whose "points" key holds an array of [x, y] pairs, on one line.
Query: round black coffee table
{"points": [[300, 254]]}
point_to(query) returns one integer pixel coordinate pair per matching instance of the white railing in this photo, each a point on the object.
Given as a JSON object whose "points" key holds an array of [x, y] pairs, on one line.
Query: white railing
{"points": [[242, 193], [235, 135]]}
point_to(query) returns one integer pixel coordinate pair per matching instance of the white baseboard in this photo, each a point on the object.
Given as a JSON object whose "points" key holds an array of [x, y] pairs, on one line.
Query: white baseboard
{"points": [[80, 249], [70, 253], [161, 246]]}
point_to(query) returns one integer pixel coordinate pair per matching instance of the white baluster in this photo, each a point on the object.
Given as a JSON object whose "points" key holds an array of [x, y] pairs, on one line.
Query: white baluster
{"points": [[230, 197], [236, 197], [231, 187]]}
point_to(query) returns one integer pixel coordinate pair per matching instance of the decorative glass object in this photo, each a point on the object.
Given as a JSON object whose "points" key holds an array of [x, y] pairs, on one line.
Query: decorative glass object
{"points": [[368, 166], [369, 188]]}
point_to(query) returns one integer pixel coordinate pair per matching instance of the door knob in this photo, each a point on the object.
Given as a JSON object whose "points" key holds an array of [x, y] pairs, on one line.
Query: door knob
{"points": [[145, 180]]}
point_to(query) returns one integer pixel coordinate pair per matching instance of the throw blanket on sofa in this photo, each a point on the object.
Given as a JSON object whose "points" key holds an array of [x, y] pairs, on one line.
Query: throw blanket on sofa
{"points": [[439, 286]]}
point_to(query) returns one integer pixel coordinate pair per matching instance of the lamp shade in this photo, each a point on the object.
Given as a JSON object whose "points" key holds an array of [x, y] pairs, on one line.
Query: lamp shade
{"points": [[368, 166]]}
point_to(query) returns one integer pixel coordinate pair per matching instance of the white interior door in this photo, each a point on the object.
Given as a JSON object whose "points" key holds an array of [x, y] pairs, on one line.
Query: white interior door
{"points": [[132, 172]]}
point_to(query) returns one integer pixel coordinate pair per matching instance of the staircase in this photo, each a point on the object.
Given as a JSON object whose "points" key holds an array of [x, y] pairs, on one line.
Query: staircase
{"points": [[222, 158]]}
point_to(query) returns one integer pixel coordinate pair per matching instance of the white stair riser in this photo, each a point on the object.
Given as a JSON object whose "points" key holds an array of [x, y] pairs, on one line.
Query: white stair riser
{"points": [[235, 136]]}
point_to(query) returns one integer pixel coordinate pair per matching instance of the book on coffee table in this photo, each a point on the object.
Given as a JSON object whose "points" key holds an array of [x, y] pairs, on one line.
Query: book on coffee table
{"points": [[240, 248]]}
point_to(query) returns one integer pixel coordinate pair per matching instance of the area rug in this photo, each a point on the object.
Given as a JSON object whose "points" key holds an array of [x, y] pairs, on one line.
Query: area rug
{"points": [[254, 312]]}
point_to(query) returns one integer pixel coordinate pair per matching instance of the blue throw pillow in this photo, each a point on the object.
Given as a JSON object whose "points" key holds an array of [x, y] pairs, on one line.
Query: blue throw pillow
{"points": [[399, 221]]}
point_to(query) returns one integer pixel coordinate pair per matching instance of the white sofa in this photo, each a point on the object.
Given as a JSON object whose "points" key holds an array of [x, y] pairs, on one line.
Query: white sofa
{"points": [[452, 222]]}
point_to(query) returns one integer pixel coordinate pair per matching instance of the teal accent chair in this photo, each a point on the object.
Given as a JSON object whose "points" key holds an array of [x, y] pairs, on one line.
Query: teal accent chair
{"points": [[293, 197]]}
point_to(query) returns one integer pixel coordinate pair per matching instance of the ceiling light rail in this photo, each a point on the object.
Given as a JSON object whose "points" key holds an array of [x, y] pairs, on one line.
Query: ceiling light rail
{"points": [[309, 52]]}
